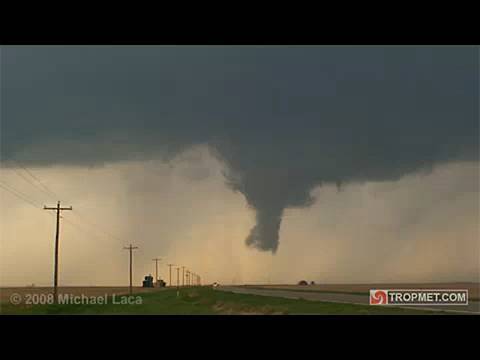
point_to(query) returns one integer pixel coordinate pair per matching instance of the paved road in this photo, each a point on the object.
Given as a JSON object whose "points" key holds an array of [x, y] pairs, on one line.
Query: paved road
{"points": [[472, 308]]}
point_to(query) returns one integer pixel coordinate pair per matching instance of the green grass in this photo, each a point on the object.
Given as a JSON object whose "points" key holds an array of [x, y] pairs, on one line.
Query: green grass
{"points": [[206, 301]]}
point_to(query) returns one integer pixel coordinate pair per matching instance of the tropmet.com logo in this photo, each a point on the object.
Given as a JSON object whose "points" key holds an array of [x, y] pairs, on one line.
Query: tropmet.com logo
{"points": [[418, 297]]}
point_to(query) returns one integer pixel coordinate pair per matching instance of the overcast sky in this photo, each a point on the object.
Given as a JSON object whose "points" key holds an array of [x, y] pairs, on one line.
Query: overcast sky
{"points": [[373, 149]]}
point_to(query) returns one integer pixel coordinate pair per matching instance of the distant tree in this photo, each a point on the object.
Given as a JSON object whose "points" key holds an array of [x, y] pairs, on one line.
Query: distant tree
{"points": [[302, 282], [312, 282]]}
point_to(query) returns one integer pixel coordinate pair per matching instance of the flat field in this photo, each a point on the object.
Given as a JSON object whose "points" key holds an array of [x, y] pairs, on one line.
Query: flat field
{"points": [[204, 301]]}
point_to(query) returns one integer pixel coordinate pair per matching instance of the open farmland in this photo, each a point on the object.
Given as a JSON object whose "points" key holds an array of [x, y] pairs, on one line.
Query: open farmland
{"points": [[208, 301]]}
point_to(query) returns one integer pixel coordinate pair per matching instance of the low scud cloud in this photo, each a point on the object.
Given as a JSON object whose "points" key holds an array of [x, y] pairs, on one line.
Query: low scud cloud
{"points": [[281, 120]]}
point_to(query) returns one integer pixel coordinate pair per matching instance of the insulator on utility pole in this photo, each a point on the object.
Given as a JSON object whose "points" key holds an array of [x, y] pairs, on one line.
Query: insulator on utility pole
{"points": [[58, 209], [183, 275], [131, 248], [156, 268], [170, 274]]}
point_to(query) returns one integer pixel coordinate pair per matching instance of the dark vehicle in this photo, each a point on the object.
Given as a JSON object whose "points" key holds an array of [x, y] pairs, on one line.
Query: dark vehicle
{"points": [[148, 282]]}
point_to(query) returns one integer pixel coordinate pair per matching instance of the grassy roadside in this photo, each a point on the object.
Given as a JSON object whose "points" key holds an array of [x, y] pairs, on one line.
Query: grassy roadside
{"points": [[207, 301]]}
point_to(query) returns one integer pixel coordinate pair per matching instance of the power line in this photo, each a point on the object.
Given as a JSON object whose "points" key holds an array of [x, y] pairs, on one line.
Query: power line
{"points": [[41, 183], [51, 193], [42, 187], [14, 191], [18, 194], [32, 183], [56, 196], [24, 198]]}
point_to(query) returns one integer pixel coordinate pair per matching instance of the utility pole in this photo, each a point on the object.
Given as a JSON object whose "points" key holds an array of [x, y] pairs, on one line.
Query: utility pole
{"points": [[178, 281], [131, 248], [187, 276], [170, 273], [183, 276], [58, 209], [156, 268]]}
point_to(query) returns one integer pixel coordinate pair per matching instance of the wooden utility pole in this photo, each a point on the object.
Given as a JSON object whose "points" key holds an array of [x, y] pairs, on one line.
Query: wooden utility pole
{"points": [[131, 248], [170, 273], [187, 275], [178, 277], [58, 209], [183, 276], [178, 281], [156, 268]]}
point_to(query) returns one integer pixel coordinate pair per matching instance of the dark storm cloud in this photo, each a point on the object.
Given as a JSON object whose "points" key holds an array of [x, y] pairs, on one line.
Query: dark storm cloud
{"points": [[282, 119]]}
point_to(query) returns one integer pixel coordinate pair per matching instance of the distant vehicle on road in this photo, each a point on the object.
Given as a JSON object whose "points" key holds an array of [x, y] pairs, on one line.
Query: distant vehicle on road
{"points": [[148, 282]]}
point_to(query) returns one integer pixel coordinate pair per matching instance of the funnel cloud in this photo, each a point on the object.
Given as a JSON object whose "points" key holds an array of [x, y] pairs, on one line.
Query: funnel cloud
{"points": [[282, 120]]}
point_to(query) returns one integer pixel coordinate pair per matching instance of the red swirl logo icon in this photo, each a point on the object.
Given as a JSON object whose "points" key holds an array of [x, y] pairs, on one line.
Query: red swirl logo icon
{"points": [[378, 297]]}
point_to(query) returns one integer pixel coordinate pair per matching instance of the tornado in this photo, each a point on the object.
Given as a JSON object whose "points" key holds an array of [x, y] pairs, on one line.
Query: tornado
{"points": [[283, 120]]}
